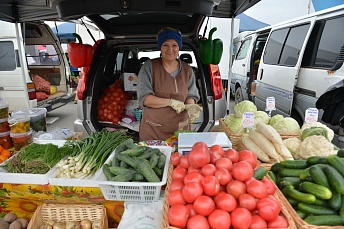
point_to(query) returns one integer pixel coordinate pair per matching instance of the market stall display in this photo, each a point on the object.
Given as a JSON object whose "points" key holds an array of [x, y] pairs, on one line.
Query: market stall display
{"points": [[37, 117]]}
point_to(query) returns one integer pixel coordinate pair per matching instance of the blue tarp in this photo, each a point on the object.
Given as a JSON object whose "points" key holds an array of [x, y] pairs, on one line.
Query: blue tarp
{"points": [[248, 23], [325, 4], [65, 31]]}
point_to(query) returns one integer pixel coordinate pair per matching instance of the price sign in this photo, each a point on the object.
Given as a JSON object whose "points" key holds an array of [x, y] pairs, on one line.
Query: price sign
{"points": [[311, 115], [270, 104], [247, 120]]}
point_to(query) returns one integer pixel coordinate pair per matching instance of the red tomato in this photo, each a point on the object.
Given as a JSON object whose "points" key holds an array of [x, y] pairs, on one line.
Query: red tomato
{"points": [[208, 169], [178, 216], [224, 163], [277, 201], [270, 186], [200, 145], [175, 197], [211, 185], [242, 171], [217, 149], [192, 170], [219, 219], [191, 191], [247, 201], [249, 156], [241, 218], [257, 189], [199, 157], [191, 210], [268, 209], [232, 154], [176, 185], [184, 162], [258, 222], [223, 175], [193, 177], [250, 180], [214, 157], [279, 222], [236, 188], [197, 222], [204, 205], [179, 173], [175, 158], [215, 197], [225, 202]]}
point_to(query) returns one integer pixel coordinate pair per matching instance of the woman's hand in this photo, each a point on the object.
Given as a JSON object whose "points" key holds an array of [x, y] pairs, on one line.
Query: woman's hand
{"points": [[177, 105]]}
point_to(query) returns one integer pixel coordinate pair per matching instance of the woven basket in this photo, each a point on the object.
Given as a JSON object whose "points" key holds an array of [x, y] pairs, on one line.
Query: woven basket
{"points": [[166, 207], [68, 212], [235, 138]]}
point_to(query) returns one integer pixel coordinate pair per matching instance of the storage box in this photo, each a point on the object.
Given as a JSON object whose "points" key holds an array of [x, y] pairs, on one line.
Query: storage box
{"points": [[134, 191], [130, 81], [67, 213], [37, 117], [188, 139], [4, 125], [6, 140]]}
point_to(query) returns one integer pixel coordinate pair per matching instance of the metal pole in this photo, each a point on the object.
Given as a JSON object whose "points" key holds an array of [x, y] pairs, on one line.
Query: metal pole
{"points": [[230, 63]]}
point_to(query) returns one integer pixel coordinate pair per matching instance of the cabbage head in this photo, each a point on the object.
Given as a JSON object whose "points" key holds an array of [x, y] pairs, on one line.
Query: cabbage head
{"points": [[261, 116], [244, 106], [330, 133], [228, 119], [287, 126], [314, 130], [275, 118], [235, 126]]}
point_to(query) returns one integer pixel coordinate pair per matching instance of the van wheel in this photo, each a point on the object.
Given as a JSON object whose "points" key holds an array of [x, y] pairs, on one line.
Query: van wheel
{"points": [[238, 95]]}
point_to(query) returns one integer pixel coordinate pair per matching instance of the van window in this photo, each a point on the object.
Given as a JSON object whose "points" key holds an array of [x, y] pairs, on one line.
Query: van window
{"points": [[323, 48], [243, 49], [42, 55], [284, 45], [7, 56]]}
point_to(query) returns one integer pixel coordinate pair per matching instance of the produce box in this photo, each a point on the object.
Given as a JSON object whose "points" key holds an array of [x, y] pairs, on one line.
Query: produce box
{"points": [[134, 191], [67, 213]]}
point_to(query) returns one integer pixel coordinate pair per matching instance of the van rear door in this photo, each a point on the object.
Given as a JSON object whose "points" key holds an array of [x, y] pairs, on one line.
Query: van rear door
{"points": [[278, 70]]}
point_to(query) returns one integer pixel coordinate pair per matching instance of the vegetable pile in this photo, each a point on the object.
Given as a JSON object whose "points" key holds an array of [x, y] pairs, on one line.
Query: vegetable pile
{"points": [[83, 224], [314, 187], [11, 221], [213, 188], [135, 163]]}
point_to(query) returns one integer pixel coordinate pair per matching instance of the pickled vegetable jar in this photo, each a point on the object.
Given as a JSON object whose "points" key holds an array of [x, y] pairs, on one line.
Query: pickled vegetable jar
{"points": [[19, 124], [4, 125], [37, 117], [6, 140], [21, 139], [3, 110]]}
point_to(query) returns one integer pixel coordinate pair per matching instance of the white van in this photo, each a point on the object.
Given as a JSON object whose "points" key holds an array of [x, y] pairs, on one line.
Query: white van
{"points": [[295, 62], [31, 51]]}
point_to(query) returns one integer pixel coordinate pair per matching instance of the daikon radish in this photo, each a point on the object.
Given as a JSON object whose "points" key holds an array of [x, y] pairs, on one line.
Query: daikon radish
{"points": [[283, 151], [264, 143], [251, 145], [269, 132]]}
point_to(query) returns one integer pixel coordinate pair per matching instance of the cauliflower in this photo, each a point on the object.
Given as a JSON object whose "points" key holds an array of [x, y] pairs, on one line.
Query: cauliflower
{"points": [[316, 145], [293, 145], [330, 133]]}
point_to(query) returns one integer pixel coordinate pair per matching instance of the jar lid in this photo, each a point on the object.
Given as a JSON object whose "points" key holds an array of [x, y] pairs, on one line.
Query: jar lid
{"points": [[2, 134], [29, 112], [13, 120], [17, 135], [3, 104]]}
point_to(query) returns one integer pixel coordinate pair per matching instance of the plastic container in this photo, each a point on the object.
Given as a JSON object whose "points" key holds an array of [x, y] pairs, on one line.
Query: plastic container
{"points": [[37, 117], [6, 140], [4, 125], [138, 114], [19, 124], [3, 110], [21, 139]]}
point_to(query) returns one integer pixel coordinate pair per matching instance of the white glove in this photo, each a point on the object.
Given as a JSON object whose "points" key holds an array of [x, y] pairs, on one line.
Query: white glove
{"points": [[193, 110], [177, 105]]}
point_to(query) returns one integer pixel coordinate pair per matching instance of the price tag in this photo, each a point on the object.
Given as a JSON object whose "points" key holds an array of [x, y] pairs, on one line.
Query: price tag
{"points": [[311, 115], [270, 104], [248, 120]]}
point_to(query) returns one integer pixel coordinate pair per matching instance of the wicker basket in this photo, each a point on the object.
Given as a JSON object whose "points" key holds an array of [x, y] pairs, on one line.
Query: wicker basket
{"points": [[166, 207], [235, 138], [68, 212]]}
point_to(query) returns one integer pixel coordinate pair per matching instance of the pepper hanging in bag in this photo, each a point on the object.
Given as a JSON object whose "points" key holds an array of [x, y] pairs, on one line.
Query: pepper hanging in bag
{"points": [[80, 55]]}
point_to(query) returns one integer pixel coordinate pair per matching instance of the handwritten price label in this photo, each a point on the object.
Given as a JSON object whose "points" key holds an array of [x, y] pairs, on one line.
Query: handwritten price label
{"points": [[270, 104], [248, 120], [311, 115]]}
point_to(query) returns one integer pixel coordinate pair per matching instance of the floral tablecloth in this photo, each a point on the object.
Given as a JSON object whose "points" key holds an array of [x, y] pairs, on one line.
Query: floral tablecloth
{"points": [[24, 199]]}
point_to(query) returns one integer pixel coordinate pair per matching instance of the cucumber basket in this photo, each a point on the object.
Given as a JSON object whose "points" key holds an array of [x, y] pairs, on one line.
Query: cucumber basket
{"points": [[132, 190]]}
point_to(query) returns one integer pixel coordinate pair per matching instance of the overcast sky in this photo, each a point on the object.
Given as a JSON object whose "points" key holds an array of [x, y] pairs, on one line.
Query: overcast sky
{"points": [[275, 11]]}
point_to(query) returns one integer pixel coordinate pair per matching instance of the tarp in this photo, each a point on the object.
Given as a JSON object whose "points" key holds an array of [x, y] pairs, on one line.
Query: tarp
{"points": [[65, 31], [248, 23], [325, 4]]}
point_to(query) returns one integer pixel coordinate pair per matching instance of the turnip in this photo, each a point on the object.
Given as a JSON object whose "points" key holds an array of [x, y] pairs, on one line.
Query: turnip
{"points": [[73, 225], [86, 224]]}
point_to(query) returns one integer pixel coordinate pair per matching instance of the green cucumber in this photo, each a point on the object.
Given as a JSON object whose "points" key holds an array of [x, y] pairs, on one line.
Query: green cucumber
{"points": [[315, 209], [153, 161], [321, 202], [148, 153], [161, 161], [313, 160], [335, 179], [319, 176], [305, 174], [292, 201], [106, 171], [325, 220], [272, 176], [117, 170], [294, 164], [337, 163], [285, 172], [340, 153], [294, 181], [336, 201], [260, 173], [127, 159], [318, 191], [135, 152], [341, 210], [301, 214], [276, 167], [300, 196], [143, 167], [125, 177]]}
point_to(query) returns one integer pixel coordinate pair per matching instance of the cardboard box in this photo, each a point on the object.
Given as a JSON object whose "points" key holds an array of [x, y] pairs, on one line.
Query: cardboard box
{"points": [[130, 81]]}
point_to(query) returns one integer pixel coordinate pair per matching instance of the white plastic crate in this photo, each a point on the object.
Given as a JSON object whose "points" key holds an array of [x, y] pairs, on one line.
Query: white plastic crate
{"points": [[134, 191]]}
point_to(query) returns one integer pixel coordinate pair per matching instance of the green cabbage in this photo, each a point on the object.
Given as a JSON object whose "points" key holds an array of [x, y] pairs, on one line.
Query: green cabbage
{"points": [[244, 106], [261, 116], [275, 118], [287, 126], [228, 119], [235, 125], [314, 130]]}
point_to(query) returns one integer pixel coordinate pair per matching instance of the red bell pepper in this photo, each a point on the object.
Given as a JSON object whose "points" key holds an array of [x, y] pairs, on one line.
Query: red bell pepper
{"points": [[80, 55]]}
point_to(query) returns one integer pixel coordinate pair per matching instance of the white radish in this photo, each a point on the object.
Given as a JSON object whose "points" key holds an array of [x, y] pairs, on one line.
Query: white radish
{"points": [[283, 151], [251, 145], [269, 132], [264, 143]]}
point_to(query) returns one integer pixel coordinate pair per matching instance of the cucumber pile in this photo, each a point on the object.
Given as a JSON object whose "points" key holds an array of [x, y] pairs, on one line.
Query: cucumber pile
{"points": [[314, 187], [134, 163]]}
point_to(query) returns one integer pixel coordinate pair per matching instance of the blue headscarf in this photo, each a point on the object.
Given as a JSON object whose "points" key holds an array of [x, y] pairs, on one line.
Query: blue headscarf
{"points": [[169, 34]]}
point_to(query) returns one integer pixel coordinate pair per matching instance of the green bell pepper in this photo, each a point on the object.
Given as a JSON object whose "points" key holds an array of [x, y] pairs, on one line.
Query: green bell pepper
{"points": [[211, 50]]}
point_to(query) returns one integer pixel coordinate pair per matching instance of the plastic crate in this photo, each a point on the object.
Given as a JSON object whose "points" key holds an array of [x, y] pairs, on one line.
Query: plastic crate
{"points": [[134, 191]]}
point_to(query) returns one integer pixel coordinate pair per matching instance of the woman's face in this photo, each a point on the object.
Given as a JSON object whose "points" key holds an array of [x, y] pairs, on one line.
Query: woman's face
{"points": [[170, 50]]}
